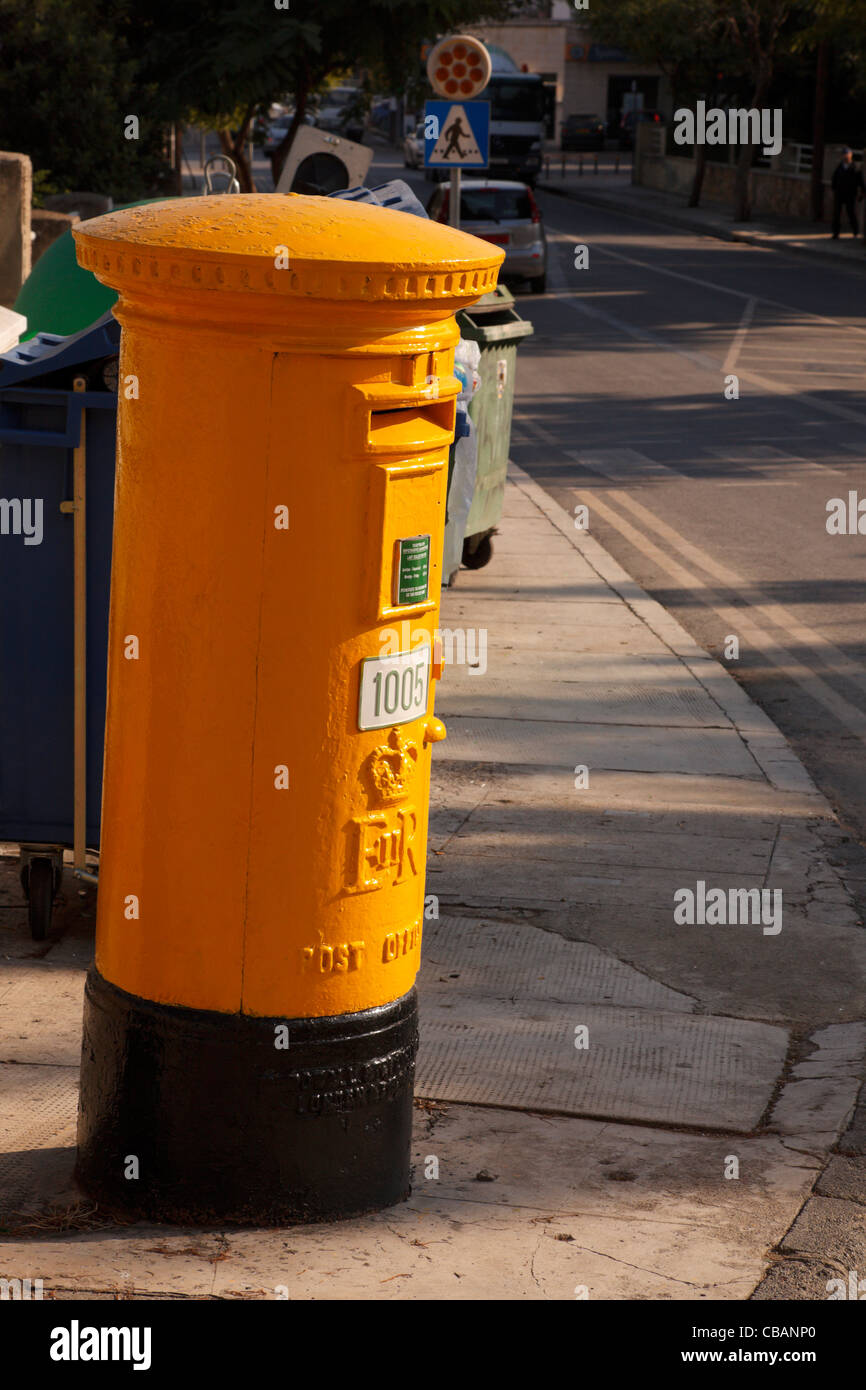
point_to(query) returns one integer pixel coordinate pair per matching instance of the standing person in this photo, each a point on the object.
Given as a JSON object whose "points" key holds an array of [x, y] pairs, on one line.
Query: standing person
{"points": [[848, 187]]}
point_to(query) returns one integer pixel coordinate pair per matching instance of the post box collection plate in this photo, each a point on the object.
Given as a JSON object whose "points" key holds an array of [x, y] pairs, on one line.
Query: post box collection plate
{"points": [[412, 570]]}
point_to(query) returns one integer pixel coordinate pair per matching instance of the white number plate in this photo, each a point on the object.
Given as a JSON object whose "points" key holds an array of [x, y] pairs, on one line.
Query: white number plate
{"points": [[394, 688]]}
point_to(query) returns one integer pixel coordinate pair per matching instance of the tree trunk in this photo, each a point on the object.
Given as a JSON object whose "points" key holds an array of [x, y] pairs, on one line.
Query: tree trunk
{"points": [[698, 180], [178, 159], [822, 66], [231, 146], [234, 147], [742, 194], [280, 154]]}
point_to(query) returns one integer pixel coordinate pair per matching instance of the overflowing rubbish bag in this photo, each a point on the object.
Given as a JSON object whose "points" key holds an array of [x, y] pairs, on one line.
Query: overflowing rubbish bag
{"points": [[395, 194], [463, 458]]}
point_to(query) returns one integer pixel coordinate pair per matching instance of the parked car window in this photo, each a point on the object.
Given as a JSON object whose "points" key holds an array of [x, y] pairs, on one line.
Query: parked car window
{"points": [[495, 205]]}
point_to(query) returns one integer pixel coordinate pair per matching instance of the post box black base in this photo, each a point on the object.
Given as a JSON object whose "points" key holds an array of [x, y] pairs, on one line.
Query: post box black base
{"points": [[226, 1126]]}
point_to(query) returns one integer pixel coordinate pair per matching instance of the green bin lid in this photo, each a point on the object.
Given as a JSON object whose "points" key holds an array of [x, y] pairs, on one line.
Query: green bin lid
{"points": [[60, 297], [494, 299], [494, 319]]}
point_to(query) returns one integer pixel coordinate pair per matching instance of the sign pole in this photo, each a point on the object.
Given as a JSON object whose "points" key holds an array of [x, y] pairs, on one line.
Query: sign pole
{"points": [[454, 199]]}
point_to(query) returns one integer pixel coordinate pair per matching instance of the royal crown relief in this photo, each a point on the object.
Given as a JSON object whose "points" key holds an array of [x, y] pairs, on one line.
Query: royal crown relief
{"points": [[381, 842]]}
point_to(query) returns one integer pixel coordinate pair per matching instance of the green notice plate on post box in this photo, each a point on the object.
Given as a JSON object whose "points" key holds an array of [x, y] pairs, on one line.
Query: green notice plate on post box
{"points": [[412, 571]]}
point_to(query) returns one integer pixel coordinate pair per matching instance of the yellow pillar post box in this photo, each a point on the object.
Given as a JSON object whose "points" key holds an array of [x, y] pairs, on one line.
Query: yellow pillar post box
{"points": [[286, 408]]}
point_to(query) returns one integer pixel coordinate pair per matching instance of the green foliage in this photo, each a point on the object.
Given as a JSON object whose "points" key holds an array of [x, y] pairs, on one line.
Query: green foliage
{"points": [[682, 36], [840, 21], [248, 53], [68, 77], [746, 40], [44, 187], [841, 24], [72, 70]]}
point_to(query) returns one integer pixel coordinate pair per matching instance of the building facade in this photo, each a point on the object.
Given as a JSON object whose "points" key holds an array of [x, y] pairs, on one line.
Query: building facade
{"points": [[583, 76]]}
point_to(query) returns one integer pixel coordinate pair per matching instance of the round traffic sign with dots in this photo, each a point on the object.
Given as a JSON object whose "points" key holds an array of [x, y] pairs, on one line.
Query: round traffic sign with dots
{"points": [[458, 67]]}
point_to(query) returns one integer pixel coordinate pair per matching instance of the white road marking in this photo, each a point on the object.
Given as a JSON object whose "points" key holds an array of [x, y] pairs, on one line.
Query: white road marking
{"points": [[816, 347], [736, 620], [754, 455], [571, 299], [622, 465], [710, 284], [777, 614], [739, 336], [822, 371]]}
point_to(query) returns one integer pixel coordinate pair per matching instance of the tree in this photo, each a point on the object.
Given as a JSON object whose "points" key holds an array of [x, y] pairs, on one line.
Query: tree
{"points": [[251, 53], [746, 39], [69, 78], [835, 27], [757, 29], [679, 36]]}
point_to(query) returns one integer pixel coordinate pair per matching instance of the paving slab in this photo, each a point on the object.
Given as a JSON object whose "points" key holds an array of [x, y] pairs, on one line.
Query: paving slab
{"points": [[507, 696], [728, 800], [559, 833], [41, 1008], [38, 1116], [574, 613], [618, 1211], [640, 1065], [552, 743], [734, 969], [509, 960]]}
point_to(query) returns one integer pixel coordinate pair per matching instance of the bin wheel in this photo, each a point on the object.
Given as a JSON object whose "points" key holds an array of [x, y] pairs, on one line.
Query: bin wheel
{"points": [[40, 896], [479, 557]]}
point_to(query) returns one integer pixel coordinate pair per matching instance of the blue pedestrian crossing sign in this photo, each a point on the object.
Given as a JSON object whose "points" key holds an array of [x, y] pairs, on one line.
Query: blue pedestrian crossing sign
{"points": [[456, 134]]}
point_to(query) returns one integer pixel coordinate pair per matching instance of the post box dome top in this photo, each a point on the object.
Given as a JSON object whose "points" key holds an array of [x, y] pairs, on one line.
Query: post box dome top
{"points": [[272, 244]]}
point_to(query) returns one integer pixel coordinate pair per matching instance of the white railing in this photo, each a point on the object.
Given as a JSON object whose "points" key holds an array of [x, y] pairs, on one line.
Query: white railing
{"points": [[580, 162], [796, 159]]}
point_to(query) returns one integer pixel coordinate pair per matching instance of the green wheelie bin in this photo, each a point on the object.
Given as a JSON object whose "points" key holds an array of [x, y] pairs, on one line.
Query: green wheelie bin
{"points": [[497, 327]]}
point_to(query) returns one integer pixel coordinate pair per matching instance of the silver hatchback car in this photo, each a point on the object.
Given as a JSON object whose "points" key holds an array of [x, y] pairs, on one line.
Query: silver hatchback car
{"points": [[506, 214]]}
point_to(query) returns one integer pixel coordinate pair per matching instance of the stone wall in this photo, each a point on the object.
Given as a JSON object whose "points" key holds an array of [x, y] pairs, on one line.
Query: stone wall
{"points": [[773, 192], [47, 227], [16, 194]]}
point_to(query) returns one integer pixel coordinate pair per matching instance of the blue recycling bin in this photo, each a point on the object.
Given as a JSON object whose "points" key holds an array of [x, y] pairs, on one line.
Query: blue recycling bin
{"points": [[48, 386]]}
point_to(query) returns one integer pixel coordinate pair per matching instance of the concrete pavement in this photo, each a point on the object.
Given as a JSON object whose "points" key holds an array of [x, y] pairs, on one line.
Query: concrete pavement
{"points": [[610, 1104]]}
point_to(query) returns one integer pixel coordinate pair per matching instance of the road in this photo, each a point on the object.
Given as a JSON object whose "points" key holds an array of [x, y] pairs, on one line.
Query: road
{"points": [[717, 507]]}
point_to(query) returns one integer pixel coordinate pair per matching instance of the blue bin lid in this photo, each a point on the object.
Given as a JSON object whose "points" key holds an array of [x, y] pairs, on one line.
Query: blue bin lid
{"points": [[46, 352]]}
